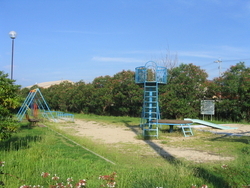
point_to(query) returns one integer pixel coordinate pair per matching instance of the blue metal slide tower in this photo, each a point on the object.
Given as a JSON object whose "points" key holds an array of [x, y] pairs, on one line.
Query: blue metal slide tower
{"points": [[150, 76]]}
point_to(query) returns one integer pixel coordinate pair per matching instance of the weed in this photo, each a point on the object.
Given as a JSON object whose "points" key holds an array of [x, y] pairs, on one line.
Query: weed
{"points": [[55, 182], [137, 165], [164, 142], [109, 180], [235, 176], [2, 184]]}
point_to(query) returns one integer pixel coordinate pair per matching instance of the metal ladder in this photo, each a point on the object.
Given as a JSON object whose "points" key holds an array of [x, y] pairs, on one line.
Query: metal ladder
{"points": [[150, 110], [187, 130], [150, 76]]}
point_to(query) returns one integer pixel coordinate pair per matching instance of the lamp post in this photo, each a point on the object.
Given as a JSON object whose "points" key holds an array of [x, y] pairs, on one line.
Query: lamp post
{"points": [[12, 35]]}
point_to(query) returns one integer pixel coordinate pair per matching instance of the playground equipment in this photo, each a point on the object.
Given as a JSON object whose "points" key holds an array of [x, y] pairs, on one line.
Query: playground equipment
{"points": [[184, 124], [34, 102], [32, 121], [64, 116], [213, 125], [151, 76]]}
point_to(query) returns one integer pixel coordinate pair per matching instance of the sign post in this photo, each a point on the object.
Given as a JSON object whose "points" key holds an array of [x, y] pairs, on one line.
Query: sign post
{"points": [[207, 107]]}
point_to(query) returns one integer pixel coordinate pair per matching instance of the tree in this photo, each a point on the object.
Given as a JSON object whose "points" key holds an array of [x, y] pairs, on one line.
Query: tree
{"points": [[59, 96], [81, 98], [244, 94], [9, 100], [102, 97], [234, 91], [170, 61], [128, 96], [181, 96]]}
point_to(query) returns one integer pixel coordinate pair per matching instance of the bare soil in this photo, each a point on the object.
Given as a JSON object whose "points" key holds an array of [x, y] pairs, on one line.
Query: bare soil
{"points": [[115, 135]]}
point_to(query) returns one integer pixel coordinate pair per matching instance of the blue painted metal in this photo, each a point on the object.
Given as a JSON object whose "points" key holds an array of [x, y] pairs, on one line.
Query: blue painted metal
{"points": [[151, 73], [35, 96], [21, 112], [150, 76], [26, 105], [69, 117], [65, 116], [186, 128], [210, 124]]}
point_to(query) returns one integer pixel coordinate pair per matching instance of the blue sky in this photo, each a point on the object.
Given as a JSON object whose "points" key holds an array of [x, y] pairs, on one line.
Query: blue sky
{"points": [[83, 39]]}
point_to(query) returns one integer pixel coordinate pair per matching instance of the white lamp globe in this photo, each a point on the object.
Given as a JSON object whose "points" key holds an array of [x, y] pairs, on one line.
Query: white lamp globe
{"points": [[12, 34]]}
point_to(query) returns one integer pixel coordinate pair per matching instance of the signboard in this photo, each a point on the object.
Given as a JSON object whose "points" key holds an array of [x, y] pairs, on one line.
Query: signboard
{"points": [[207, 107]]}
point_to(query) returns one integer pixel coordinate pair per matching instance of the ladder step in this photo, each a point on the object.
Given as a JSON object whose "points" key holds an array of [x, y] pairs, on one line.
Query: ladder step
{"points": [[187, 131], [150, 108]]}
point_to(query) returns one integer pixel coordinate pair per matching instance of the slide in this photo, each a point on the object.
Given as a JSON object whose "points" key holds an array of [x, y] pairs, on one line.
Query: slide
{"points": [[210, 124]]}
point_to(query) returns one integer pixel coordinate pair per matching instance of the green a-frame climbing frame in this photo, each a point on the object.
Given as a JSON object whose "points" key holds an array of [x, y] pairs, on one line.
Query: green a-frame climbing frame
{"points": [[35, 96], [150, 76]]}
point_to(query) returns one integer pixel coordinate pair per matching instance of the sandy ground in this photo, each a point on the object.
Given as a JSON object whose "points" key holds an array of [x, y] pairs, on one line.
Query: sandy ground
{"points": [[110, 134]]}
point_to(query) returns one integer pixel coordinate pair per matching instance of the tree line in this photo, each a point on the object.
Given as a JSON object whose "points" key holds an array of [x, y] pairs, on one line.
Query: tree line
{"points": [[187, 85], [118, 95]]}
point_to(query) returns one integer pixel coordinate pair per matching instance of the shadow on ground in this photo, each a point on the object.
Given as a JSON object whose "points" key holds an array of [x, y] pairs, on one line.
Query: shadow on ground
{"points": [[15, 143], [217, 181]]}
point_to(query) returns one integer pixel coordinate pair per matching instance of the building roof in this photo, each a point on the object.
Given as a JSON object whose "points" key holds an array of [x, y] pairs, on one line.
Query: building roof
{"points": [[48, 84]]}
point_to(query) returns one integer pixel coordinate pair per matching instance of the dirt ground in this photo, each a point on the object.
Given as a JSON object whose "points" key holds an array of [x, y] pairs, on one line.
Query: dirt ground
{"points": [[110, 134]]}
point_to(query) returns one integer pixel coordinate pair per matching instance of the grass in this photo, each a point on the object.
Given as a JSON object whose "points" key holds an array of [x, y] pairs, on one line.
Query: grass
{"points": [[38, 149]]}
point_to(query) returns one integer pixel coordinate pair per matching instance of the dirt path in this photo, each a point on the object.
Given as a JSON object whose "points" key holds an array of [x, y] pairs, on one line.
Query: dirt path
{"points": [[111, 134]]}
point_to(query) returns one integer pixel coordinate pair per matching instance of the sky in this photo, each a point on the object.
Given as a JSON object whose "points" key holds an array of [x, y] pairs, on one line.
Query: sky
{"points": [[80, 40]]}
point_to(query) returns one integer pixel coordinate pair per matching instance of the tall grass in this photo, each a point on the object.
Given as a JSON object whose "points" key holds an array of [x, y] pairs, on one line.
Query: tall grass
{"points": [[38, 149]]}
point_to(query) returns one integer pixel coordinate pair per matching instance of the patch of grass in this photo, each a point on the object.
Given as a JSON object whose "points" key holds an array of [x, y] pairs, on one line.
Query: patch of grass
{"points": [[39, 149], [203, 141], [164, 142]]}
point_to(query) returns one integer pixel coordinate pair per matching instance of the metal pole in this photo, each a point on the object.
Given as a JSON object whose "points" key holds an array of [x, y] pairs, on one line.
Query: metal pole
{"points": [[219, 61], [12, 58]]}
